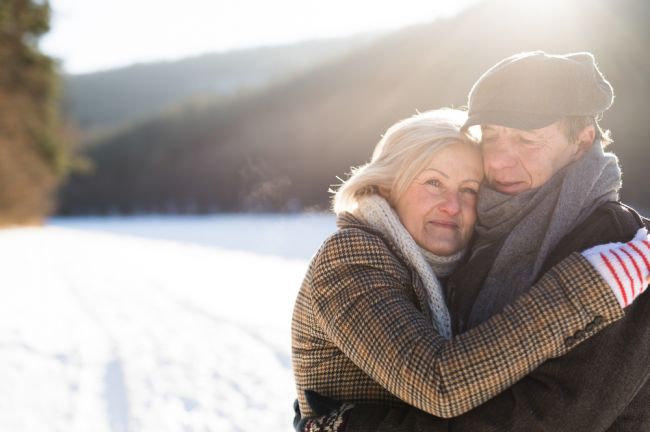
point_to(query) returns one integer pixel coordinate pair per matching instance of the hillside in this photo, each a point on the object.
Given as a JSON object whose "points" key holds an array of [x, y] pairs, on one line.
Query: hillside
{"points": [[101, 101], [281, 148]]}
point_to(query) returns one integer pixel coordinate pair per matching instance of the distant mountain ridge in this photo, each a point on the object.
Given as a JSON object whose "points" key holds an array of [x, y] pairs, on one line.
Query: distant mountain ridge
{"points": [[282, 147], [116, 98]]}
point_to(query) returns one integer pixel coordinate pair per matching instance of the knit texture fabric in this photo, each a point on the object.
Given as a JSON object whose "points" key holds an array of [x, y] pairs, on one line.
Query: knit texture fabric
{"points": [[625, 266], [532, 223], [376, 212]]}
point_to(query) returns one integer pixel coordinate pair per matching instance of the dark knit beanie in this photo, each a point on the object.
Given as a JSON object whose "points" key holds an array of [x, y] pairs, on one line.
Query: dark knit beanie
{"points": [[531, 90]]}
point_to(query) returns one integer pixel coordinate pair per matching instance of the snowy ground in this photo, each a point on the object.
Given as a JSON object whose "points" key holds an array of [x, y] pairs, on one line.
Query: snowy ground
{"points": [[151, 324]]}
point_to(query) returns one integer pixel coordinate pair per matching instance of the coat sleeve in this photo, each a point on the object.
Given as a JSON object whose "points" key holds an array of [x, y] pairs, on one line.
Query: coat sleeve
{"points": [[365, 305]]}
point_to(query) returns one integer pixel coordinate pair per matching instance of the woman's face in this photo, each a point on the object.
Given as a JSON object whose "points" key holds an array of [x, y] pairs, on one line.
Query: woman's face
{"points": [[439, 207]]}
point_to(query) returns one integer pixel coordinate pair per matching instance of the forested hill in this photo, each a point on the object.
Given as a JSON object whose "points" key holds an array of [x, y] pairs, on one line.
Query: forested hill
{"points": [[280, 149], [111, 99]]}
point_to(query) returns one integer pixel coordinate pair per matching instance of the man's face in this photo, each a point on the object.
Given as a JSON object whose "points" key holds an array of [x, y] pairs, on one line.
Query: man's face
{"points": [[517, 160]]}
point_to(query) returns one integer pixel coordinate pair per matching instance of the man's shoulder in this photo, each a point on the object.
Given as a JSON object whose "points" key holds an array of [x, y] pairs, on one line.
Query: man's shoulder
{"points": [[612, 221], [620, 217]]}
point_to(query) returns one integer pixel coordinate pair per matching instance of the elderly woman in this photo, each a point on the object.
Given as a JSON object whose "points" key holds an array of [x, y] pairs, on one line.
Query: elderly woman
{"points": [[370, 322]]}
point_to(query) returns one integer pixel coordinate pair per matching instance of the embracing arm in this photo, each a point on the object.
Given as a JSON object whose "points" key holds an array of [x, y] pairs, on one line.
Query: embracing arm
{"points": [[368, 312]]}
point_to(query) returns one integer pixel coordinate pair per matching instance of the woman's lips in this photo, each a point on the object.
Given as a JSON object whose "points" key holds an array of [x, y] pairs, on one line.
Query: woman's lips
{"points": [[445, 224]]}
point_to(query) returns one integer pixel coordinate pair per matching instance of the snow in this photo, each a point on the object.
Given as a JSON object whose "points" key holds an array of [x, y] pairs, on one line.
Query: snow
{"points": [[291, 235], [151, 324]]}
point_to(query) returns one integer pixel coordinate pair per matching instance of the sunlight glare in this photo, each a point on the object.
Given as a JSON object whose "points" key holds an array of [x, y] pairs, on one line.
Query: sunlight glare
{"points": [[89, 35]]}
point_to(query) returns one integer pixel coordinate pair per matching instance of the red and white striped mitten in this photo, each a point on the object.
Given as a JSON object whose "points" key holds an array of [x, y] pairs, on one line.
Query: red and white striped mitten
{"points": [[625, 266]]}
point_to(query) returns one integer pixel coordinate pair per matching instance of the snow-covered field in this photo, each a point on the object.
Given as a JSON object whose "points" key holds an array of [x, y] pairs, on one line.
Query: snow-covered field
{"points": [[151, 324]]}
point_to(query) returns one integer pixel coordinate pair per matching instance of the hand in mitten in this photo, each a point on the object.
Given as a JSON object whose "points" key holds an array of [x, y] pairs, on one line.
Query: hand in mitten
{"points": [[331, 415], [625, 266]]}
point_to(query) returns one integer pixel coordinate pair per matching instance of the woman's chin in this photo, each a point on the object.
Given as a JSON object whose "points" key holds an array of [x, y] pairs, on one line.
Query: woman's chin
{"points": [[442, 247]]}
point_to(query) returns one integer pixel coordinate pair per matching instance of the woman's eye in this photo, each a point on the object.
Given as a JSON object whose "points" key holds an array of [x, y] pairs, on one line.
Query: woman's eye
{"points": [[434, 182], [470, 191]]}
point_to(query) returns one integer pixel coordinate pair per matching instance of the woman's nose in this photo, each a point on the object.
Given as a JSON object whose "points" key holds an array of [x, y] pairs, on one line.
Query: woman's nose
{"points": [[451, 203]]}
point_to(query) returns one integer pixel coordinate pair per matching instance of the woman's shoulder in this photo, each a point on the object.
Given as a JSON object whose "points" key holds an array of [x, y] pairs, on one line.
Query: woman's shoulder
{"points": [[360, 245], [353, 240]]}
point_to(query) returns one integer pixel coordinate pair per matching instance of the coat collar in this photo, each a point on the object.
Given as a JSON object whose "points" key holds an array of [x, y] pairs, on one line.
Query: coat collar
{"points": [[348, 220]]}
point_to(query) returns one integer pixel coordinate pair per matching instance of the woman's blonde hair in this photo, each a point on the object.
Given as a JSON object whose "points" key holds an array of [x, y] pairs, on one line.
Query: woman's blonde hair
{"points": [[401, 154]]}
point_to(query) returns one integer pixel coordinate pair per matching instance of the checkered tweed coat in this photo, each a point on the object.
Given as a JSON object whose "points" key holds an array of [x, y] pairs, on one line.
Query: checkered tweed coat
{"points": [[362, 330]]}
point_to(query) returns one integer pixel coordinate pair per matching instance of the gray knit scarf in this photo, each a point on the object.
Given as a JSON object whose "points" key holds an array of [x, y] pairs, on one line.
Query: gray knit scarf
{"points": [[376, 212], [532, 223]]}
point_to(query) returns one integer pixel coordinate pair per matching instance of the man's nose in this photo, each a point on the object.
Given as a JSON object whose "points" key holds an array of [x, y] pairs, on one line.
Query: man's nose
{"points": [[451, 203], [499, 155]]}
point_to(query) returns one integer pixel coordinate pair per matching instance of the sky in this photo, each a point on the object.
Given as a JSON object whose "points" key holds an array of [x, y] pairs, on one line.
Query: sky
{"points": [[92, 35]]}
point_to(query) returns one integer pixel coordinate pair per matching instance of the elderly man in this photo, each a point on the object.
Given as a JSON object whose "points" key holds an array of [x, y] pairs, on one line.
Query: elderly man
{"points": [[550, 190]]}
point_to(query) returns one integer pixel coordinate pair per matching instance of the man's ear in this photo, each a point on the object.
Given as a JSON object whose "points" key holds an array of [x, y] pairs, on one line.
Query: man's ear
{"points": [[586, 139]]}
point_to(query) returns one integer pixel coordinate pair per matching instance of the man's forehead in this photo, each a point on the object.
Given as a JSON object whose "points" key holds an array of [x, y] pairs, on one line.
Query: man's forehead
{"points": [[540, 132]]}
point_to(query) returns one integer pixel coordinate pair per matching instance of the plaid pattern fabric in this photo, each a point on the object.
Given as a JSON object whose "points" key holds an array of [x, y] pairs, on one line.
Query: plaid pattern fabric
{"points": [[361, 331]]}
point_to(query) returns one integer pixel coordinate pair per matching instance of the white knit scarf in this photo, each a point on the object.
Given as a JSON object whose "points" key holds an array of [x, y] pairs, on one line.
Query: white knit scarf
{"points": [[377, 213]]}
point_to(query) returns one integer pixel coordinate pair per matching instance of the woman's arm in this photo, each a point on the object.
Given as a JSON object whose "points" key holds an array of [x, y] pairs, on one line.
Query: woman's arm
{"points": [[361, 301]]}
